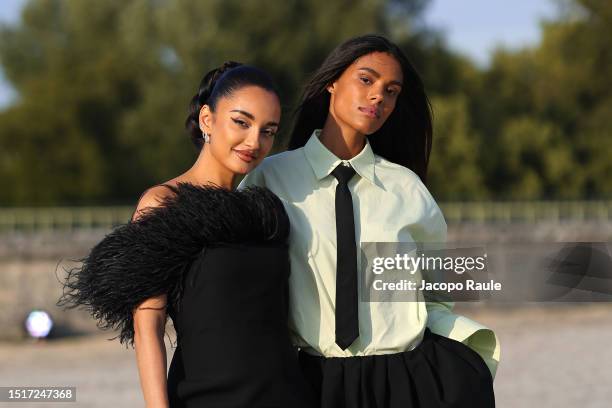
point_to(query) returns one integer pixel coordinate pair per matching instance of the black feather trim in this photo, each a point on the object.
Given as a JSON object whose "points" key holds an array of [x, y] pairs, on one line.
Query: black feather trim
{"points": [[150, 256]]}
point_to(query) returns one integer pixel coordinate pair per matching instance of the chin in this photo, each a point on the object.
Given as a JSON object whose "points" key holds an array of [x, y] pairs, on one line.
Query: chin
{"points": [[241, 167], [364, 126]]}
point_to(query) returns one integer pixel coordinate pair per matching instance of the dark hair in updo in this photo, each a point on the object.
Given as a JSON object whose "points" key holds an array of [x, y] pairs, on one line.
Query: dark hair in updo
{"points": [[219, 83]]}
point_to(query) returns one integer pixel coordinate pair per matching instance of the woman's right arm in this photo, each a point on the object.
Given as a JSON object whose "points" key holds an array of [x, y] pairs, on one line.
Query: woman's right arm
{"points": [[149, 329]]}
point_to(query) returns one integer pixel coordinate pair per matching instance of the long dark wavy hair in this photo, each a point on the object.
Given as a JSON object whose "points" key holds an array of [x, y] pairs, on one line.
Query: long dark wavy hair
{"points": [[405, 138]]}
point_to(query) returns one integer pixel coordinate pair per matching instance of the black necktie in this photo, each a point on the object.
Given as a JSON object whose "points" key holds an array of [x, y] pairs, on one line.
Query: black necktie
{"points": [[347, 318]]}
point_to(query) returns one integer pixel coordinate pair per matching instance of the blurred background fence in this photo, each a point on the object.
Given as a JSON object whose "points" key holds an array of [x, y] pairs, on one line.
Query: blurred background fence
{"points": [[69, 218]]}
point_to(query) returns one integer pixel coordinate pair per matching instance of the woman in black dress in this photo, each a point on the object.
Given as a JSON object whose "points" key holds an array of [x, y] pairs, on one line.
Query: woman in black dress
{"points": [[214, 259]]}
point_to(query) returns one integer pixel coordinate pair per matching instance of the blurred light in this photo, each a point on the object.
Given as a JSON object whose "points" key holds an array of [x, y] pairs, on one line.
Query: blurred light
{"points": [[38, 324]]}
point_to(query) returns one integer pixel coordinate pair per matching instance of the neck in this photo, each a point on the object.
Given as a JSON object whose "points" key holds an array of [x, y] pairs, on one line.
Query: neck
{"points": [[207, 170], [342, 141]]}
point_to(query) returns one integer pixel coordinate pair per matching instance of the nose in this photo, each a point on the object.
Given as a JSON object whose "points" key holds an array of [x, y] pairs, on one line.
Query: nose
{"points": [[252, 140], [376, 96]]}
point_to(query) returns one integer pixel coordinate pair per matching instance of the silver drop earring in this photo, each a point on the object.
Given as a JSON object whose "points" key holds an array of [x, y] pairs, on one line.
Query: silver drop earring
{"points": [[206, 137]]}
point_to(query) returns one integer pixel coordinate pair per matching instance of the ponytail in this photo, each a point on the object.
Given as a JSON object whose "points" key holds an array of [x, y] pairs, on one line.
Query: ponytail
{"points": [[207, 85]]}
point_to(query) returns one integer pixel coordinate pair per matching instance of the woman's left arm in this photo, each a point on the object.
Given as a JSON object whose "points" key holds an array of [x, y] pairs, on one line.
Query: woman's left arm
{"points": [[440, 317]]}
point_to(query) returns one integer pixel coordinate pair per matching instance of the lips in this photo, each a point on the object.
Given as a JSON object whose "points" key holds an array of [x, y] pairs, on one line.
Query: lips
{"points": [[371, 111], [245, 155]]}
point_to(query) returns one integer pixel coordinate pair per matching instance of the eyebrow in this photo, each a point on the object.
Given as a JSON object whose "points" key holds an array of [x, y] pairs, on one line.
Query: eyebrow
{"points": [[377, 75], [252, 117]]}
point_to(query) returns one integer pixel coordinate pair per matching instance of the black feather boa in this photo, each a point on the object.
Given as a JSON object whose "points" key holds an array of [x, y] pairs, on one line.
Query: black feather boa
{"points": [[150, 256]]}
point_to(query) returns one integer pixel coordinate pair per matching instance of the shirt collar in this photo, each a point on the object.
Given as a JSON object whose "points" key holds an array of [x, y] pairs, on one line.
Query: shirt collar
{"points": [[323, 162]]}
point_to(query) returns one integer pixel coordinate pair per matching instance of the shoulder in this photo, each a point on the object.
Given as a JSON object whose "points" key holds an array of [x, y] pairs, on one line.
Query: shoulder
{"points": [[405, 181], [153, 197], [276, 168], [282, 160], [393, 173], [406, 184]]}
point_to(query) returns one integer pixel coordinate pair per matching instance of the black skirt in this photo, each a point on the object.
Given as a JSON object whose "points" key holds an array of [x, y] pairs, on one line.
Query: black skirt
{"points": [[439, 372]]}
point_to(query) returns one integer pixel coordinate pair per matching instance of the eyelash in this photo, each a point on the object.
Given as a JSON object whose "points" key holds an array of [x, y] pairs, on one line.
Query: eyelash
{"points": [[245, 125], [364, 79], [241, 123]]}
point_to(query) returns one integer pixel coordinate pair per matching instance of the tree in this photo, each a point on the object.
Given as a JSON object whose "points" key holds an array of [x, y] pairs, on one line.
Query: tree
{"points": [[454, 172], [535, 161], [104, 86], [541, 110]]}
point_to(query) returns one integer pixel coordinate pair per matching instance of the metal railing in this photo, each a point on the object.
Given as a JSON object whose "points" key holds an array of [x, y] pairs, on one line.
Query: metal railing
{"points": [[527, 211], [55, 218]]}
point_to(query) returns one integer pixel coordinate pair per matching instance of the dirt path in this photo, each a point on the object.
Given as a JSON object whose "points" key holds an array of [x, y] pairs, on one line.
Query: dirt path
{"points": [[551, 357]]}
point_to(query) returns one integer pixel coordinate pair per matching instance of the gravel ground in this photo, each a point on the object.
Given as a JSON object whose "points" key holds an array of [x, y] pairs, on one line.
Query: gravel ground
{"points": [[551, 357]]}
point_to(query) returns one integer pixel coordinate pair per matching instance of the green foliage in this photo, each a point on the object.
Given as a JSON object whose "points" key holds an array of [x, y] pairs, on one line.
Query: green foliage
{"points": [[454, 173], [104, 86], [103, 89], [535, 161], [544, 111]]}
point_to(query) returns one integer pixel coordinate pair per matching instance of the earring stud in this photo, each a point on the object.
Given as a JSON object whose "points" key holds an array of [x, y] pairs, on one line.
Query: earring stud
{"points": [[206, 137]]}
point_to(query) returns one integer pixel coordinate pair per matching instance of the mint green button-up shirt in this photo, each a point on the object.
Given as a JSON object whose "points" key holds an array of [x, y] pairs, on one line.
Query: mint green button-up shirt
{"points": [[391, 204]]}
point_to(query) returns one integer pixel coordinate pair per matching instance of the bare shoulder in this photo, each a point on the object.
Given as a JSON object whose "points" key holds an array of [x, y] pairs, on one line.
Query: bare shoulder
{"points": [[153, 197]]}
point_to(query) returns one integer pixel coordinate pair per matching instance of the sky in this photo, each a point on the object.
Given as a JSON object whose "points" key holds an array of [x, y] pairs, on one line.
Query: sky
{"points": [[472, 27], [476, 27]]}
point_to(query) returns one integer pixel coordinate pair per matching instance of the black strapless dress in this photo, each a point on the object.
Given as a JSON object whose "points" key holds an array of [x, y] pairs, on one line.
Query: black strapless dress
{"points": [[222, 259], [233, 343]]}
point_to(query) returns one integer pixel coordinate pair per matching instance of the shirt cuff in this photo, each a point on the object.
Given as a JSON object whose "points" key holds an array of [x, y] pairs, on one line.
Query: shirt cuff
{"points": [[479, 338]]}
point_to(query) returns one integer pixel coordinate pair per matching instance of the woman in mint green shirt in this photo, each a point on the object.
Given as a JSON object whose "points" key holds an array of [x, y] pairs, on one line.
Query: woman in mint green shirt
{"points": [[360, 146]]}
